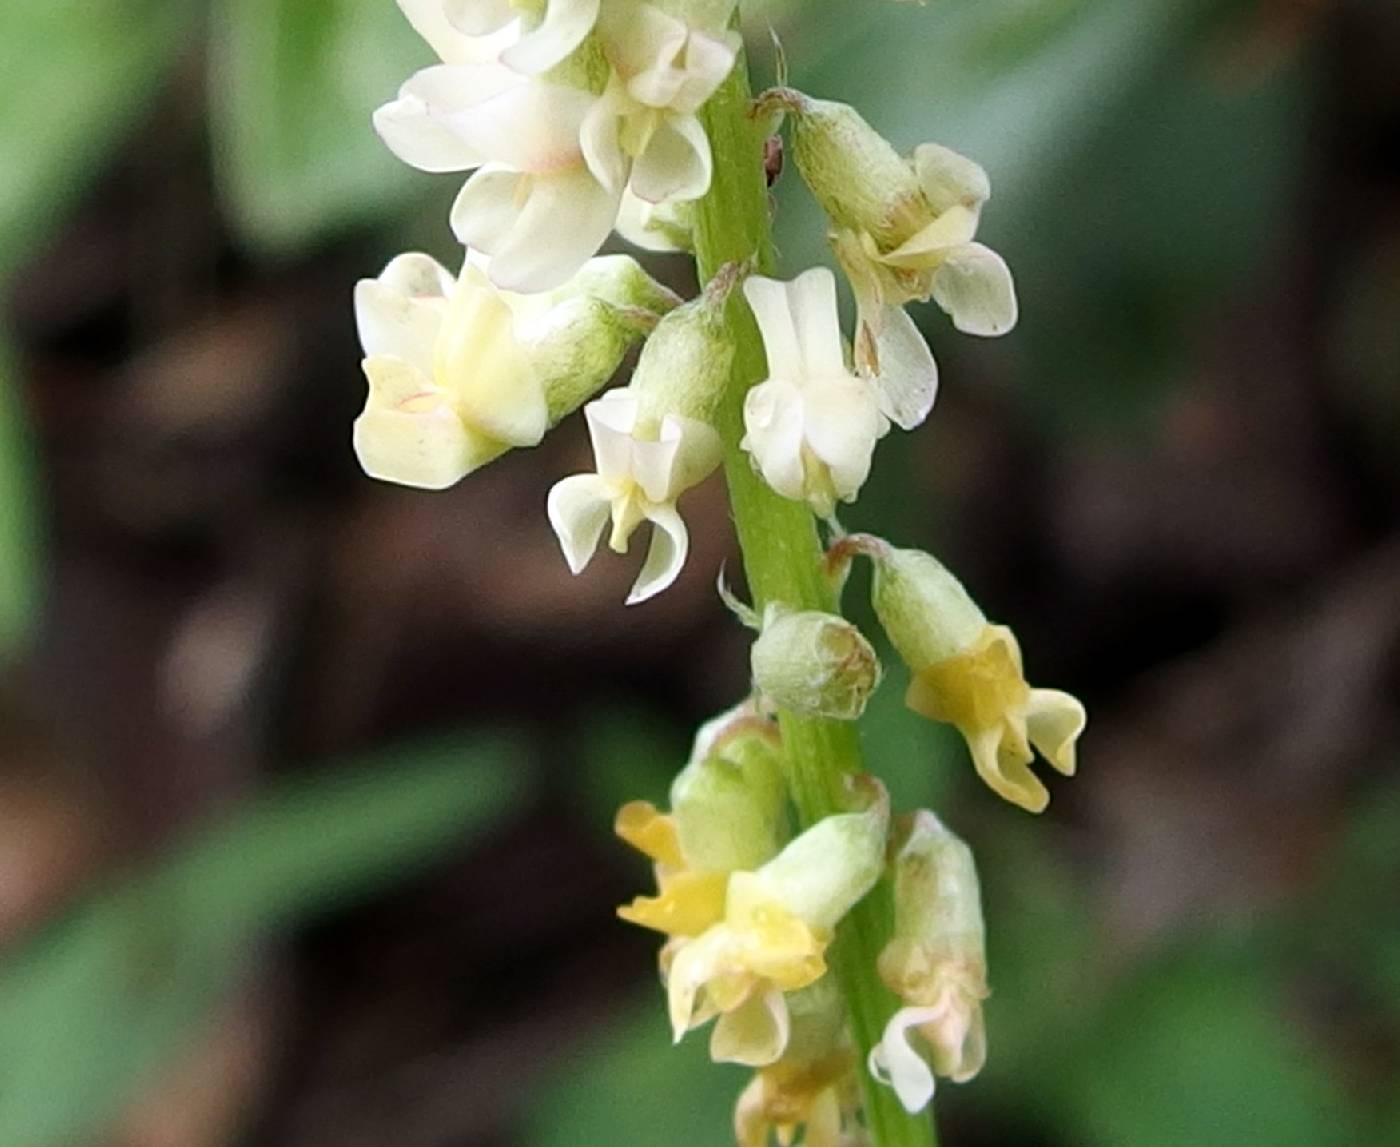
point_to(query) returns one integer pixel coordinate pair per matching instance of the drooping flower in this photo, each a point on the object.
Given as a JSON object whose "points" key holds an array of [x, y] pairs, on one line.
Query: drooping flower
{"points": [[460, 372], [811, 425], [644, 133], [532, 204], [813, 1087], [935, 963], [904, 231], [967, 672], [652, 441]]}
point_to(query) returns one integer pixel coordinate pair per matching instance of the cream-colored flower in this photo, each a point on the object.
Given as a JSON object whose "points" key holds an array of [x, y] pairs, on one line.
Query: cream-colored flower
{"points": [[652, 441], [811, 425], [644, 134], [532, 205], [939, 260], [904, 231], [643, 466], [459, 371], [936, 964], [544, 32], [451, 387]]}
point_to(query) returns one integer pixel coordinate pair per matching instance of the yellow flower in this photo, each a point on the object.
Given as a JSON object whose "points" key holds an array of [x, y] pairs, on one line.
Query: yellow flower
{"points": [[747, 919], [967, 672], [786, 1098], [982, 692], [687, 901], [813, 1089]]}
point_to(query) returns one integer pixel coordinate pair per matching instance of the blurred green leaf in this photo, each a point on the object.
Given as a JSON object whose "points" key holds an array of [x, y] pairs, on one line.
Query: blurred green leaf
{"points": [[1042, 946], [1139, 173], [921, 762], [627, 753], [19, 514], [293, 88], [97, 1001], [630, 1086], [1196, 1050], [73, 77]]}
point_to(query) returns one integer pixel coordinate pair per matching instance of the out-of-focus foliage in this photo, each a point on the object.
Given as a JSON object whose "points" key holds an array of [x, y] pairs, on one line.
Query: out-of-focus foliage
{"points": [[293, 86], [1136, 173], [624, 1090], [104, 996], [73, 78], [20, 515]]}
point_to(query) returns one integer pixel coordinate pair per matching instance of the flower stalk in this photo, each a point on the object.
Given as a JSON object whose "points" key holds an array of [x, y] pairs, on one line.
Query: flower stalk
{"points": [[783, 562]]}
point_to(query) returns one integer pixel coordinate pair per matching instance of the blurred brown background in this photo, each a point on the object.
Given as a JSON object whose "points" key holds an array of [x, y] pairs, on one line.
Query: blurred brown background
{"points": [[306, 782]]}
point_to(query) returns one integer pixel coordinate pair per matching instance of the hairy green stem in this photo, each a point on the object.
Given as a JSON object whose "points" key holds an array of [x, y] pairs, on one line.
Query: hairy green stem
{"points": [[783, 563]]}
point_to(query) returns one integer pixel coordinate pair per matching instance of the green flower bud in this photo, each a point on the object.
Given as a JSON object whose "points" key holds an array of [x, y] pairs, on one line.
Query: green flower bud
{"points": [[580, 332], [815, 664], [938, 911], [852, 170], [729, 802], [684, 367], [924, 609], [824, 872]]}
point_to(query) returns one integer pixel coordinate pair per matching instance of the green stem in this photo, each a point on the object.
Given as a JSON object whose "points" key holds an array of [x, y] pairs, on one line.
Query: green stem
{"points": [[782, 560]]}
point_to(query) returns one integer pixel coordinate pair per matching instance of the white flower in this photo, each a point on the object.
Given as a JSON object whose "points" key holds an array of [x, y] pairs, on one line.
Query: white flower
{"points": [[533, 205], [561, 29], [969, 281], [643, 466], [644, 132], [448, 36], [451, 385], [952, 1031], [811, 425], [935, 963], [939, 260]]}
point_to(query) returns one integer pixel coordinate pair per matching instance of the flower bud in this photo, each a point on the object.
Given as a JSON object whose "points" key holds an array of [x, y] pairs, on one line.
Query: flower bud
{"points": [[854, 173], [684, 366], [815, 664], [936, 964], [968, 673], [729, 802], [825, 871]]}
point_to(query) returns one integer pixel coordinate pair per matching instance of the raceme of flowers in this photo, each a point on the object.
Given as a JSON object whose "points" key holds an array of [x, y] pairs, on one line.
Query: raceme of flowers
{"points": [[578, 119]]}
